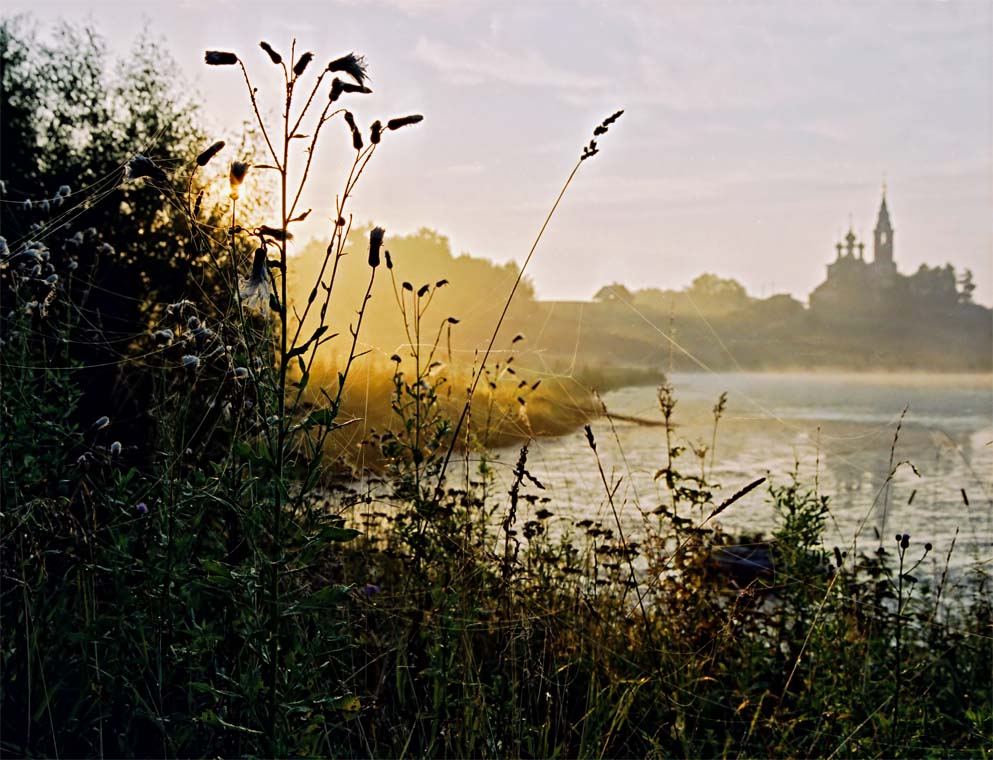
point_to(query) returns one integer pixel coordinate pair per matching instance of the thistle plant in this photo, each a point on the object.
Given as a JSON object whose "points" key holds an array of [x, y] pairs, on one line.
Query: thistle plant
{"points": [[280, 340]]}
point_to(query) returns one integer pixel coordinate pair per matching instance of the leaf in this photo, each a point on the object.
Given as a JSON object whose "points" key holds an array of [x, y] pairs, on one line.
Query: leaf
{"points": [[350, 704], [330, 596], [300, 350], [340, 535]]}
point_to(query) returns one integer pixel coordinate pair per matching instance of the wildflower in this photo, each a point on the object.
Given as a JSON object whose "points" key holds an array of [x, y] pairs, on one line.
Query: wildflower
{"points": [[404, 121], [115, 449], [351, 64], [375, 132], [240, 373], [101, 423], [45, 206], [237, 175], [338, 87], [72, 265], [142, 508], [4, 250], [375, 243], [162, 336], [142, 166], [63, 191], [105, 249], [356, 135], [208, 154], [52, 279], [273, 55], [255, 290], [302, 64], [193, 323], [191, 361], [371, 588], [219, 58]]}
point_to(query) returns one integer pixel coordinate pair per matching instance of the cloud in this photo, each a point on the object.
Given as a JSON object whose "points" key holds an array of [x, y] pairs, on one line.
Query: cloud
{"points": [[485, 62]]}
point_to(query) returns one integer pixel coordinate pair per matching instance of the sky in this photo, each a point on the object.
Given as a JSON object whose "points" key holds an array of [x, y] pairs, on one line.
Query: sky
{"points": [[753, 131]]}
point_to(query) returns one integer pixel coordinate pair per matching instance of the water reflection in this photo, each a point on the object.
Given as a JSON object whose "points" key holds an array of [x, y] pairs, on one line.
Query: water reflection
{"points": [[838, 432]]}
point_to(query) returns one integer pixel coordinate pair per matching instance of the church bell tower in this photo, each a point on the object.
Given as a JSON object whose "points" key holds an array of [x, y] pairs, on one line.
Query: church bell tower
{"points": [[882, 251]]}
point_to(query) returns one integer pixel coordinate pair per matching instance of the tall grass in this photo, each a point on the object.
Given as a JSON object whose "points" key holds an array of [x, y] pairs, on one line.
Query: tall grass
{"points": [[291, 568]]}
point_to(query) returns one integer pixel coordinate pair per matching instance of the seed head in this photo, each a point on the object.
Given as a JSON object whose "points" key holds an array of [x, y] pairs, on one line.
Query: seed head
{"points": [[219, 58], [338, 87], [141, 166], [115, 449], [191, 361], [302, 64], [356, 135], [208, 154], [375, 244], [273, 55], [101, 423], [375, 132], [351, 64], [255, 290], [236, 176], [274, 232], [404, 121]]}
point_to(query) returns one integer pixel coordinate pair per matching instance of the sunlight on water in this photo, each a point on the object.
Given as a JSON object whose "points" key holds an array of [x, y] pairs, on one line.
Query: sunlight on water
{"points": [[838, 430]]}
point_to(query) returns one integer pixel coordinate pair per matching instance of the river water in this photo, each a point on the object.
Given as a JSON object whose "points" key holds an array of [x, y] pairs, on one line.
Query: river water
{"points": [[835, 430]]}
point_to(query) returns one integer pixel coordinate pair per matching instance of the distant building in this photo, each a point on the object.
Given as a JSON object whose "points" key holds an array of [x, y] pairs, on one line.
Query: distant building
{"points": [[854, 285]]}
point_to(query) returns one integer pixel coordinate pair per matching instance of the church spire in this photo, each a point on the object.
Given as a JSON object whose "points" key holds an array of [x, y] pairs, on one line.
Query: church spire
{"points": [[882, 249]]}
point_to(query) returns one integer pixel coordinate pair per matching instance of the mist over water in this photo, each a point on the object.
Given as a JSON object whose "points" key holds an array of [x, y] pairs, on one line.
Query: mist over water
{"points": [[836, 429]]}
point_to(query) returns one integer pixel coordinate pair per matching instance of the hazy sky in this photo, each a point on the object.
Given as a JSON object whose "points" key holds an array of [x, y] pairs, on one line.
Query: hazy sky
{"points": [[752, 131]]}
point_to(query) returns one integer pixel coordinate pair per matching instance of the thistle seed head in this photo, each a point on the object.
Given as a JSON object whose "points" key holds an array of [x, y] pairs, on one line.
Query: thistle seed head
{"points": [[273, 55], [274, 232], [404, 121], [301, 65], [375, 244], [208, 154], [219, 58], [351, 64], [236, 176], [141, 166]]}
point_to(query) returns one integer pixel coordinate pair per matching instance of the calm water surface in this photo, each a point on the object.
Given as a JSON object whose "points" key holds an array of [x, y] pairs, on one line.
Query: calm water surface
{"points": [[836, 430]]}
